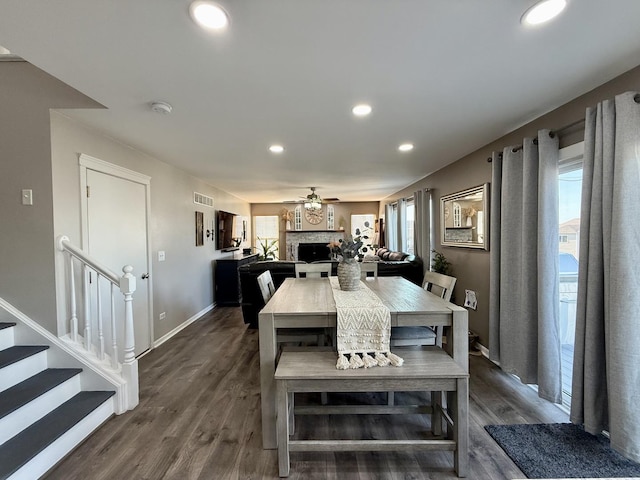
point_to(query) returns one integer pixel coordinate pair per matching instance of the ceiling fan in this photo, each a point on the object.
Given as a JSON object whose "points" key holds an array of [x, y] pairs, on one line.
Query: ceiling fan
{"points": [[313, 201]]}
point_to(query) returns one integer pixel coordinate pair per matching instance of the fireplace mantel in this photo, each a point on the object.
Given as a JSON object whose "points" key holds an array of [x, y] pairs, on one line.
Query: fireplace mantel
{"points": [[296, 237], [313, 231]]}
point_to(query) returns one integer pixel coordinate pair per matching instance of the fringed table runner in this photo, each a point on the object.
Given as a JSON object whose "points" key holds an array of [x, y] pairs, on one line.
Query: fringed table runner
{"points": [[363, 329]]}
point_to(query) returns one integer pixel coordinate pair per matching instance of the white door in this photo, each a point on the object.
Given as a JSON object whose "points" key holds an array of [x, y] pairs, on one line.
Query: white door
{"points": [[116, 229]]}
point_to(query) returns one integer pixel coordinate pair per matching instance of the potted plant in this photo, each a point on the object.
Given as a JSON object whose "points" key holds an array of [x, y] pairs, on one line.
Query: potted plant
{"points": [[440, 264], [268, 248]]}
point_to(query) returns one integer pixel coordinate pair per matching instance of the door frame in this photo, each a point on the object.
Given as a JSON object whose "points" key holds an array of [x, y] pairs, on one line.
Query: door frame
{"points": [[87, 162]]}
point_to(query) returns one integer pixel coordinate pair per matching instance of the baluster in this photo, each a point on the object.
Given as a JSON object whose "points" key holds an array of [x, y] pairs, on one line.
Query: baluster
{"points": [[87, 308], [114, 341], [72, 301], [100, 332]]}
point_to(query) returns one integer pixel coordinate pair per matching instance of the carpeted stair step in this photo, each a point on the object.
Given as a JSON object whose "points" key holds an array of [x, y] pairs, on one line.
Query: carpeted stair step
{"points": [[17, 363], [33, 398], [24, 392], [20, 449], [11, 355]]}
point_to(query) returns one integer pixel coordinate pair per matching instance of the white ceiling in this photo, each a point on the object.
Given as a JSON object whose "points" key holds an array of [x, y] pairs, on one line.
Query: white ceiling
{"points": [[448, 75]]}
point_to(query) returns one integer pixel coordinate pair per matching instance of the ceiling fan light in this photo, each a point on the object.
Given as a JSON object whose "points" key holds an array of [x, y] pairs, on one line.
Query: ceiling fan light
{"points": [[543, 12], [313, 201]]}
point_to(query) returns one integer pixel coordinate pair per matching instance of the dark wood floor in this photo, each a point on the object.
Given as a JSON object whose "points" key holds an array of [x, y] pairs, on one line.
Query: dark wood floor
{"points": [[199, 418]]}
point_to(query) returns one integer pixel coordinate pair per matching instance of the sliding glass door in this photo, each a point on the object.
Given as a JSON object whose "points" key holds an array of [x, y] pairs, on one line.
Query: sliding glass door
{"points": [[570, 190]]}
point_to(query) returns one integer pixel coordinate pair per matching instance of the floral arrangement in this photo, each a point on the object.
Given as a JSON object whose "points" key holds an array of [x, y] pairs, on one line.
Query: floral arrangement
{"points": [[286, 215], [469, 212], [350, 247]]}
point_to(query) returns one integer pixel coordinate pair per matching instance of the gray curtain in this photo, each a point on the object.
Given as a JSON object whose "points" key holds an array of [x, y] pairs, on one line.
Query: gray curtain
{"points": [[401, 228], [524, 301], [391, 226], [606, 382], [422, 226]]}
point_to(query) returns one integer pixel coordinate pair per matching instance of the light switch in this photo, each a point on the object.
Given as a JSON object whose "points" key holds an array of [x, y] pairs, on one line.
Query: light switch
{"points": [[161, 255], [27, 197]]}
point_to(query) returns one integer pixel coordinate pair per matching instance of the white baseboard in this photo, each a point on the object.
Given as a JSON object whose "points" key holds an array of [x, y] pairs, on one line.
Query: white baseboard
{"points": [[182, 326], [484, 350]]}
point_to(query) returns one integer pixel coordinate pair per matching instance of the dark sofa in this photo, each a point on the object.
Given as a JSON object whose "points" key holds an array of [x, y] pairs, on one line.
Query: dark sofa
{"points": [[403, 265]]}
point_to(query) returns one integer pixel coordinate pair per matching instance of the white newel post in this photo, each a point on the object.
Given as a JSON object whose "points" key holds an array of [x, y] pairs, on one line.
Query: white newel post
{"points": [[73, 303], [130, 364]]}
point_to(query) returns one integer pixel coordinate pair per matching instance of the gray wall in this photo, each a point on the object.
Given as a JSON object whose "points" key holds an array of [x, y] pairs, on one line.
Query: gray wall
{"points": [[183, 284], [26, 233], [470, 266], [40, 150]]}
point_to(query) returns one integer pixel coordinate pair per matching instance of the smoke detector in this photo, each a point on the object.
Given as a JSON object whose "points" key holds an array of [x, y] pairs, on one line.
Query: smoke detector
{"points": [[161, 107]]}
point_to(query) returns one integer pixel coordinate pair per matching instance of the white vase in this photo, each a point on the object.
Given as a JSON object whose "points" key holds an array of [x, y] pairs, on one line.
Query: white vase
{"points": [[469, 222], [288, 226]]}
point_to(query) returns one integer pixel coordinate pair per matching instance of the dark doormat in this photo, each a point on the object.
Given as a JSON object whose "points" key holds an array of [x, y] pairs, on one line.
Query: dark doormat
{"points": [[561, 450]]}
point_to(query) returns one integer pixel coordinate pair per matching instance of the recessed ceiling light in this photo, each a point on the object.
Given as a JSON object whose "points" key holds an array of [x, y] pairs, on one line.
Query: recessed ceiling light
{"points": [[209, 15], [276, 149], [406, 147], [542, 12], [361, 110]]}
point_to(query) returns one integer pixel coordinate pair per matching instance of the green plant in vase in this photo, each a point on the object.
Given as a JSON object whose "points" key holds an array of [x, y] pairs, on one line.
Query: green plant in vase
{"points": [[440, 264], [269, 249]]}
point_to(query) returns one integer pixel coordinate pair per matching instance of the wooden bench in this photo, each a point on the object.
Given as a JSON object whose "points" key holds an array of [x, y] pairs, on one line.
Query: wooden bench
{"points": [[429, 369]]}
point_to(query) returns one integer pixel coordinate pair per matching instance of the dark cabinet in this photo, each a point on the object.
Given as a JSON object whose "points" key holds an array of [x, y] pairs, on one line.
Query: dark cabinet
{"points": [[228, 292]]}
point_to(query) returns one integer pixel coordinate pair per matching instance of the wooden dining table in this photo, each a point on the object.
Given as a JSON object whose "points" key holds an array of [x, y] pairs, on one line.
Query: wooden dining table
{"points": [[308, 303]]}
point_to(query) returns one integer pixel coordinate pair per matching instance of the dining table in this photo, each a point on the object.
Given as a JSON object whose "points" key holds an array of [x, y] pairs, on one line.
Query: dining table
{"points": [[309, 303]]}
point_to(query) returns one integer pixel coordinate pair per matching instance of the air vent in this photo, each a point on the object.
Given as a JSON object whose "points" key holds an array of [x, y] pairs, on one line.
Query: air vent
{"points": [[201, 199]]}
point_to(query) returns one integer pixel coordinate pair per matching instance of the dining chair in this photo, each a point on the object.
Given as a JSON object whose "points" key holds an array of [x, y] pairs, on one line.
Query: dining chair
{"points": [[368, 269], [313, 270], [438, 284], [315, 336]]}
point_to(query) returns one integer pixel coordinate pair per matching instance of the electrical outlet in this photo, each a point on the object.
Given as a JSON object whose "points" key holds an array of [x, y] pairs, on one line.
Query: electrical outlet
{"points": [[471, 299], [163, 315]]}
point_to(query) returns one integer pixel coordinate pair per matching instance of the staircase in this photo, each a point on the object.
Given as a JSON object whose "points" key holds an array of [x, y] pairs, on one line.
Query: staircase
{"points": [[44, 413]]}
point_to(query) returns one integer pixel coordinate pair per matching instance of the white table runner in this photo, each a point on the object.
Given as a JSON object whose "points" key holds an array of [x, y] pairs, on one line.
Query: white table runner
{"points": [[363, 329]]}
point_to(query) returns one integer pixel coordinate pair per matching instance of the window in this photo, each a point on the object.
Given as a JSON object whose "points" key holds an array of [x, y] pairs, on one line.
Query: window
{"points": [[410, 220], [297, 218], [400, 225], [267, 235], [392, 226], [331, 224], [457, 215], [570, 193]]}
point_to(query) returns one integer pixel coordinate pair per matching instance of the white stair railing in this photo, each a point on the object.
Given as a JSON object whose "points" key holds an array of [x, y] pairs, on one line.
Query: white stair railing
{"points": [[107, 336]]}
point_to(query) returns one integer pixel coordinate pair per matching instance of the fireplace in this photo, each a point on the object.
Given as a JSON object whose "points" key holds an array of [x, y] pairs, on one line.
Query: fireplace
{"points": [[319, 237], [312, 252]]}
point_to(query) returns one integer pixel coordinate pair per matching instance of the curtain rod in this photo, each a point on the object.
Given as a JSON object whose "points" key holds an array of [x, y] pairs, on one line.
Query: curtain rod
{"points": [[552, 133]]}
